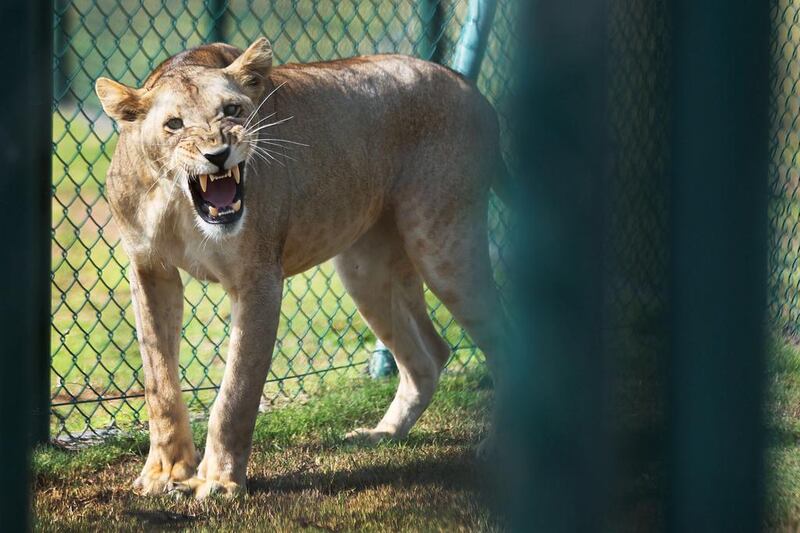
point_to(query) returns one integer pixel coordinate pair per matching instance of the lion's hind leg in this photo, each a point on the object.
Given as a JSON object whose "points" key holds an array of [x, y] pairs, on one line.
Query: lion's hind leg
{"points": [[388, 292], [451, 253]]}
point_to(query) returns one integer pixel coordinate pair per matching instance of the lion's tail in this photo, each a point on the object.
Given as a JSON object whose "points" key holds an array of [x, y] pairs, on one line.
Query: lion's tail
{"points": [[495, 165]]}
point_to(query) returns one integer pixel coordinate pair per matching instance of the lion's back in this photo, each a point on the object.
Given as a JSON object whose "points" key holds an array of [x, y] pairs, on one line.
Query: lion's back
{"points": [[392, 81], [381, 130], [388, 101]]}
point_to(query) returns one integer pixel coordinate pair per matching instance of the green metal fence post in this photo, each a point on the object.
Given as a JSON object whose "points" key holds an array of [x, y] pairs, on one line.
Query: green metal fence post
{"points": [[474, 35], [25, 146], [552, 421], [381, 362], [217, 10], [432, 16], [719, 209]]}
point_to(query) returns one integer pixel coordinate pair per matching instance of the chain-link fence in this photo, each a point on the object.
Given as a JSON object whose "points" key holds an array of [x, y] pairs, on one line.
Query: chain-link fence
{"points": [[784, 258], [97, 380]]}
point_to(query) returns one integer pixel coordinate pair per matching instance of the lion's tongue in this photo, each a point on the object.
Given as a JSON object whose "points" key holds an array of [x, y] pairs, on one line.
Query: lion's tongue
{"points": [[220, 193]]}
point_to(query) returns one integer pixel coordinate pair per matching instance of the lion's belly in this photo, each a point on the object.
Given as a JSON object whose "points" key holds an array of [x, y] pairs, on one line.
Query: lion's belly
{"points": [[321, 230]]}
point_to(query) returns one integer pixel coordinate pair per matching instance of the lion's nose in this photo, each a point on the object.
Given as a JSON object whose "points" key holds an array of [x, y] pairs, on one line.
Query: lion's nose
{"points": [[218, 156]]}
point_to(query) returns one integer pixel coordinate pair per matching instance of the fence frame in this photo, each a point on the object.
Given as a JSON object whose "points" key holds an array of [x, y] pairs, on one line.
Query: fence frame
{"points": [[554, 432], [25, 126], [719, 265], [475, 33], [555, 455]]}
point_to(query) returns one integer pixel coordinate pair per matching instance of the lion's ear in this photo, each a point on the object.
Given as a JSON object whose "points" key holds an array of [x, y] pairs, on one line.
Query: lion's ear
{"points": [[251, 68], [120, 102]]}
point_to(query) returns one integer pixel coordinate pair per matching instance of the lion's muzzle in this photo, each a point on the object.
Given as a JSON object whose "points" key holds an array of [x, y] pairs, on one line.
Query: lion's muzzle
{"points": [[218, 198]]}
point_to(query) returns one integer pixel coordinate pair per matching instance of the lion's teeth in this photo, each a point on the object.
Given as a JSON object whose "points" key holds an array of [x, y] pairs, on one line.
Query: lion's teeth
{"points": [[237, 205], [213, 211], [204, 182], [215, 177], [235, 172]]}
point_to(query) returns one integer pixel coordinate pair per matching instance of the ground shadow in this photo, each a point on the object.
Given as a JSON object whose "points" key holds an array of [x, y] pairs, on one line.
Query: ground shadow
{"points": [[458, 471]]}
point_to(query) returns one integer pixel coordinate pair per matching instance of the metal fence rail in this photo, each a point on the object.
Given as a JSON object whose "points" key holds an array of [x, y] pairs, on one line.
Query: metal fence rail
{"points": [[96, 380]]}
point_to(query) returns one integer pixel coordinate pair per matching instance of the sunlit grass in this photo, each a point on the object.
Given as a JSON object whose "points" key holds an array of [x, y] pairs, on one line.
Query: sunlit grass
{"points": [[302, 474]]}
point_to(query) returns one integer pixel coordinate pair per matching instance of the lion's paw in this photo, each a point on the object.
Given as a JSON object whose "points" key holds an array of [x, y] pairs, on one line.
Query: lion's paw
{"points": [[157, 478], [204, 488], [368, 436]]}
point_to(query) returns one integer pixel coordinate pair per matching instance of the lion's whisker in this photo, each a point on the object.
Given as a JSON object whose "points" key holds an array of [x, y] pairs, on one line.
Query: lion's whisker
{"points": [[265, 141], [267, 153], [271, 152], [162, 174], [271, 124], [263, 157], [260, 156], [275, 139], [265, 118], [264, 148], [247, 122]]}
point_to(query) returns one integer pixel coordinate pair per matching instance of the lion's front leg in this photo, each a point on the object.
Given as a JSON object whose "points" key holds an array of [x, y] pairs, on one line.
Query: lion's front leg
{"points": [[223, 469], [158, 305]]}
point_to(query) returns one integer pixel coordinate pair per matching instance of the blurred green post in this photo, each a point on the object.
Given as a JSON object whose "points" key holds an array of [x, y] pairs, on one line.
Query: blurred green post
{"points": [[719, 251], [217, 10], [552, 423], [25, 151], [432, 15]]}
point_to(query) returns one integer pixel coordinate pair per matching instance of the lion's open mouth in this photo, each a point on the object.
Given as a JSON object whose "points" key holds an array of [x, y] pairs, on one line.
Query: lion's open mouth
{"points": [[218, 198]]}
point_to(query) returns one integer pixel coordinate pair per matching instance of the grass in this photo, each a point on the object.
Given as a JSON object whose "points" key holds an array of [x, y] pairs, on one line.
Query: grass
{"points": [[302, 475], [783, 453]]}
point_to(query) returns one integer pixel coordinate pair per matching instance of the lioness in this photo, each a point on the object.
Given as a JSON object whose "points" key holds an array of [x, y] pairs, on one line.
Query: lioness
{"points": [[393, 184]]}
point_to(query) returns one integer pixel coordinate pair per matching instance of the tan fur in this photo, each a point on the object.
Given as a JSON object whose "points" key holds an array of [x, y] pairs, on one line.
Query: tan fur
{"points": [[393, 183]]}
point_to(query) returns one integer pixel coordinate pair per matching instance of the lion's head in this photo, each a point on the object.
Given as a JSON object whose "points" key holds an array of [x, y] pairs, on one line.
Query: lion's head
{"points": [[193, 124]]}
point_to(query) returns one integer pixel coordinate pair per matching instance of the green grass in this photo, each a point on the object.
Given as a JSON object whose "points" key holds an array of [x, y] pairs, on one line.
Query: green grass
{"points": [[783, 457], [302, 475]]}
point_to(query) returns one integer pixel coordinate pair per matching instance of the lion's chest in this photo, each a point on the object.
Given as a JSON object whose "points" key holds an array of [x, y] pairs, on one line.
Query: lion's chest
{"points": [[202, 258]]}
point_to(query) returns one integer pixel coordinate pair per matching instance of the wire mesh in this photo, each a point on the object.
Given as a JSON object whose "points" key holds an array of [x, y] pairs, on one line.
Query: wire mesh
{"points": [[784, 209], [97, 381]]}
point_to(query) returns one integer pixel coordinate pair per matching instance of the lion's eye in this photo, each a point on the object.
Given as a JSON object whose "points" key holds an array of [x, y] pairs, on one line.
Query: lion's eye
{"points": [[174, 124], [232, 110]]}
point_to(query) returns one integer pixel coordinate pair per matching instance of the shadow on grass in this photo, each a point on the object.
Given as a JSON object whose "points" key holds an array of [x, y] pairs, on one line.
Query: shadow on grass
{"points": [[780, 438], [160, 518], [458, 471]]}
